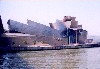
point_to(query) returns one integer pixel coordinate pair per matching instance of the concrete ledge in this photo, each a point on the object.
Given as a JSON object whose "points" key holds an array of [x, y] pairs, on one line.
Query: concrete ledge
{"points": [[25, 48]]}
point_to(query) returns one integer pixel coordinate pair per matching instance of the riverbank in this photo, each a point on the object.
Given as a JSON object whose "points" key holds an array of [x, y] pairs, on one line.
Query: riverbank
{"points": [[40, 48]]}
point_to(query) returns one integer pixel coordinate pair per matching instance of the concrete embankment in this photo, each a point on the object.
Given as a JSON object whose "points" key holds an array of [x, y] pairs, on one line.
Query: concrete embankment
{"points": [[40, 48]]}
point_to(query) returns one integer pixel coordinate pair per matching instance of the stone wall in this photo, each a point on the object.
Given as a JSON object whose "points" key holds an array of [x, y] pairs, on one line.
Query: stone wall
{"points": [[24, 40]]}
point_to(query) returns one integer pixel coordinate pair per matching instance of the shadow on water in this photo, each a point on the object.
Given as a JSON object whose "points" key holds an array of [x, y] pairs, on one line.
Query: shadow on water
{"points": [[13, 61]]}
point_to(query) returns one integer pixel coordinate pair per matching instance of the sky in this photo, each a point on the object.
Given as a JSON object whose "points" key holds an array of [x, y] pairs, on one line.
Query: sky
{"points": [[87, 12]]}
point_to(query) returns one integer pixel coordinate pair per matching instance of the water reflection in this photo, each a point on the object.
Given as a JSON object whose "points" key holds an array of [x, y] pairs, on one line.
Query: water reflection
{"points": [[54, 59], [93, 58]]}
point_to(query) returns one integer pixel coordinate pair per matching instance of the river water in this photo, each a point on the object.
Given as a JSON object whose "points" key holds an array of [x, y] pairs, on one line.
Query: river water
{"points": [[86, 58]]}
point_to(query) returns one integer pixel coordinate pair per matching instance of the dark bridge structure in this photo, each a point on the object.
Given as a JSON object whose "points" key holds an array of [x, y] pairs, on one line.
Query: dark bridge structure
{"points": [[1, 27]]}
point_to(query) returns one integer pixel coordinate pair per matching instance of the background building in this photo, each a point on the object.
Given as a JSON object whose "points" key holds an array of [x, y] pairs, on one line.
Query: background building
{"points": [[41, 32], [32, 28], [70, 29], [67, 29]]}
